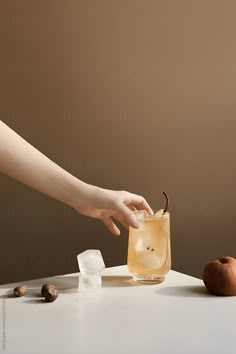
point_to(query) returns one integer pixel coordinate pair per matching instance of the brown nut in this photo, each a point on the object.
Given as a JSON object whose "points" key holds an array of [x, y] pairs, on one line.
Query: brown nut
{"points": [[20, 290], [50, 294], [45, 288]]}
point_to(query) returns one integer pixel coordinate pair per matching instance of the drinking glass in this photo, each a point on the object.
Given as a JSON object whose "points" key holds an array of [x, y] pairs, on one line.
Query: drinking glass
{"points": [[149, 250]]}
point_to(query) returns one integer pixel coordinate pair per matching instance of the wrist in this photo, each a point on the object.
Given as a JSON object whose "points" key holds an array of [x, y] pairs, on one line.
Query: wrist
{"points": [[73, 191]]}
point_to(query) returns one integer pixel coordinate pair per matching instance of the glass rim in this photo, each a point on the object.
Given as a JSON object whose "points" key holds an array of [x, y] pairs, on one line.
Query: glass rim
{"points": [[142, 214]]}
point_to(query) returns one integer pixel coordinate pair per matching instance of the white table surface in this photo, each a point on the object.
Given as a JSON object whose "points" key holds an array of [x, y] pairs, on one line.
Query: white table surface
{"points": [[176, 316]]}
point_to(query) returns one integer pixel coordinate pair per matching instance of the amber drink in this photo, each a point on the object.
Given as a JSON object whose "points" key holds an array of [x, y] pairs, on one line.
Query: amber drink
{"points": [[149, 251]]}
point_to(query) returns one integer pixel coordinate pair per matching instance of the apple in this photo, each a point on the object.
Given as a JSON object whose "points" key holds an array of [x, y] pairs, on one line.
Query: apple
{"points": [[219, 276]]}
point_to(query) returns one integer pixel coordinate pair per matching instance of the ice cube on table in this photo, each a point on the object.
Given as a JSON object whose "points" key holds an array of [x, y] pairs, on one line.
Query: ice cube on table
{"points": [[90, 262], [90, 281]]}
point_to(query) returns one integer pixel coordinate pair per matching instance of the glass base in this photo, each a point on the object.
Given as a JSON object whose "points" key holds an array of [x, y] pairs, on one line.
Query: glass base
{"points": [[148, 279]]}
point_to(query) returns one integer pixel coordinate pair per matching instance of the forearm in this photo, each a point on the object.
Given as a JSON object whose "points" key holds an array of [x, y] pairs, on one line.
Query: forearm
{"points": [[23, 162]]}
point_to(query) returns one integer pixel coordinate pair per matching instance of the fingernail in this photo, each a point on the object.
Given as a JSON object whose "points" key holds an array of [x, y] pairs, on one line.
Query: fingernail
{"points": [[136, 224]]}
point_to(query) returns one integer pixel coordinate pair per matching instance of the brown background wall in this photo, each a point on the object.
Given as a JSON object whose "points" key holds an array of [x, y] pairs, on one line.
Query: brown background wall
{"points": [[125, 94]]}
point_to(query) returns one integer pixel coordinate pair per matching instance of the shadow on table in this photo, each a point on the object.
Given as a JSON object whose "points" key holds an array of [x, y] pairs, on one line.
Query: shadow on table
{"points": [[112, 281], [66, 285], [36, 301], [63, 284], [184, 291], [37, 297], [8, 295]]}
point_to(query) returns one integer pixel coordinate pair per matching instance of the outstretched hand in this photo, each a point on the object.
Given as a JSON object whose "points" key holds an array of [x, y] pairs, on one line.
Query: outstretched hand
{"points": [[20, 160], [106, 205]]}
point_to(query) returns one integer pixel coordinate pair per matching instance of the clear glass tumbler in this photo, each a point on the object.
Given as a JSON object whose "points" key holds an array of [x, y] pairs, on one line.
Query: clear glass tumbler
{"points": [[149, 250]]}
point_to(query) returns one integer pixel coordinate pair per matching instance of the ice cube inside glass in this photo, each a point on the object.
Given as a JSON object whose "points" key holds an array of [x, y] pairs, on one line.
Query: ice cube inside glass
{"points": [[149, 250]]}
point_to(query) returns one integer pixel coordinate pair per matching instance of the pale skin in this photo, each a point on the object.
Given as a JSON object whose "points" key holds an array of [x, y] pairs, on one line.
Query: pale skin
{"points": [[20, 160]]}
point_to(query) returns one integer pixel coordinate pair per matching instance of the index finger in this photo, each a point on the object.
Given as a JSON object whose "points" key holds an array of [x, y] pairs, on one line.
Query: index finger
{"points": [[139, 201]]}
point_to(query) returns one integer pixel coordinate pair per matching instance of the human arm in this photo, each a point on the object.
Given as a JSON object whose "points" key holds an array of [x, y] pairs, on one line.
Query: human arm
{"points": [[20, 160]]}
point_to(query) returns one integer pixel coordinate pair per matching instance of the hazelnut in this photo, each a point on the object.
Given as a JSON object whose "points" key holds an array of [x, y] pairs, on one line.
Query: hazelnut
{"points": [[50, 294], [45, 288], [20, 290]]}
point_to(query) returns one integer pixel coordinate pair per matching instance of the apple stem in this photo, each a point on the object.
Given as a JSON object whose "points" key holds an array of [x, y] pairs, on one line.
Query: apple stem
{"points": [[167, 203]]}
